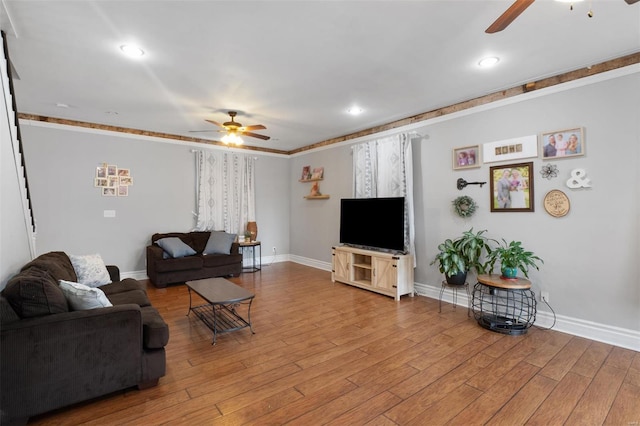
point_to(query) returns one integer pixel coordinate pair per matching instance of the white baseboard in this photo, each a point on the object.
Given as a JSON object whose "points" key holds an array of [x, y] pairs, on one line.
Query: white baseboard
{"points": [[136, 275], [325, 266], [625, 338]]}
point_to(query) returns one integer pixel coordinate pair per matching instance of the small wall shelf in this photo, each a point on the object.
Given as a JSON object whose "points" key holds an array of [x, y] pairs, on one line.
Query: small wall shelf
{"points": [[316, 197]]}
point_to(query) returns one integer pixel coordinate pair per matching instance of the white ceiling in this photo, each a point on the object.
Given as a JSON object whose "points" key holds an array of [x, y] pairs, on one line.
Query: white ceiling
{"points": [[293, 66]]}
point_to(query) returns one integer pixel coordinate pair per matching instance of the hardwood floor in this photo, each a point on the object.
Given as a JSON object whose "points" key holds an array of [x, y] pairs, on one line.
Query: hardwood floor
{"points": [[326, 353]]}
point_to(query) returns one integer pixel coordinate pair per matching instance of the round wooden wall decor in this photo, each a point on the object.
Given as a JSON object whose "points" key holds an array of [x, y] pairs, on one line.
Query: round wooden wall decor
{"points": [[556, 203]]}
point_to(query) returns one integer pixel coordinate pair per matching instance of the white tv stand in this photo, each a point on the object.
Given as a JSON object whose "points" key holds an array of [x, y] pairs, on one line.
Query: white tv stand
{"points": [[385, 273]]}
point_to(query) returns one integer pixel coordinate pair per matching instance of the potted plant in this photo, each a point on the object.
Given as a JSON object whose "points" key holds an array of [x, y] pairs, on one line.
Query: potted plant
{"points": [[513, 257], [457, 257]]}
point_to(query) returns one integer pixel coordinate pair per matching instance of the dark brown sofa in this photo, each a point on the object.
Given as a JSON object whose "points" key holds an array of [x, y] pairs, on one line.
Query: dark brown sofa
{"points": [[163, 270], [52, 356]]}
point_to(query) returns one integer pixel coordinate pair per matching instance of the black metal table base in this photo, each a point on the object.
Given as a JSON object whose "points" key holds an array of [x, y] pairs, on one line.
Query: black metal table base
{"points": [[507, 311], [222, 318]]}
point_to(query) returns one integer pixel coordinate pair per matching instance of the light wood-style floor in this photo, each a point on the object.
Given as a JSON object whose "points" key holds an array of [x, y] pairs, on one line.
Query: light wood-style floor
{"points": [[326, 353]]}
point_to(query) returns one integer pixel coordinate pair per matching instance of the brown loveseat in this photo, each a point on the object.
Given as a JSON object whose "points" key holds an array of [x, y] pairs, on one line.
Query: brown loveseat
{"points": [[52, 356], [163, 269]]}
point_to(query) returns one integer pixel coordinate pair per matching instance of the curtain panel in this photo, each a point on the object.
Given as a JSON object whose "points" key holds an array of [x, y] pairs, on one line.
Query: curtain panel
{"points": [[225, 191], [384, 168]]}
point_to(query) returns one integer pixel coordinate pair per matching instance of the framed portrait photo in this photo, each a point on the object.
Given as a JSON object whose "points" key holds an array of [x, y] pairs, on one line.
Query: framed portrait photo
{"points": [[561, 144], [466, 157], [512, 188]]}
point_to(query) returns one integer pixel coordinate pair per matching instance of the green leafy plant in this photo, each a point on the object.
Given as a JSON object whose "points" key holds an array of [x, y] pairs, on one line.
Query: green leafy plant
{"points": [[512, 255], [463, 254]]}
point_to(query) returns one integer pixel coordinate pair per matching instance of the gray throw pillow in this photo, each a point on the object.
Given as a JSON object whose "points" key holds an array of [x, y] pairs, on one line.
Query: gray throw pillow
{"points": [[219, 243], [175, 247]]}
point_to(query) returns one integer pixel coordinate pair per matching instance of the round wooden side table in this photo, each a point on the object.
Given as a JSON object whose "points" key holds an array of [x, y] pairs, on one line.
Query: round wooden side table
{"points": [[504, 305]]}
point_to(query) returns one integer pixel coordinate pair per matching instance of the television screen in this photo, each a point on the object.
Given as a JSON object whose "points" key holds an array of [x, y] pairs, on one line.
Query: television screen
{"points": [[372, 222]]}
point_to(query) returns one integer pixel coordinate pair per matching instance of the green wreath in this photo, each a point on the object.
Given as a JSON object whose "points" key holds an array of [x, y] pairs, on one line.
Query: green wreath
{"points": [[465, 206]]}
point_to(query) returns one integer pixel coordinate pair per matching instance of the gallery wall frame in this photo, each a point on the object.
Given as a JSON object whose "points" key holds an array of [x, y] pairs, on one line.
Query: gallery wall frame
{"points": [[561, 144], [466, 157], [510, 149], [511, 188]]}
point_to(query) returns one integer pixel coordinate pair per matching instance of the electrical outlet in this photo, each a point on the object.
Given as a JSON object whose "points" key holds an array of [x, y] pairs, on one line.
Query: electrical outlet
{"points": [[544, 296]]}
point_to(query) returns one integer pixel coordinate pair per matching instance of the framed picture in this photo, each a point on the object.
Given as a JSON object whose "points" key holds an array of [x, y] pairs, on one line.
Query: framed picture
{"points": [[512, 188], [562, 144], [101, 172], [318, 173], [112, 170], [112, 181], [510, 149], [306, 173], [466, 157], [126, 181], [123, 172], [123, 191], [109, 192]]}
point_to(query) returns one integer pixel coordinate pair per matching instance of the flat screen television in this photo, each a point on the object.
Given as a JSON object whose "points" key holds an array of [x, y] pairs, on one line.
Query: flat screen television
{"points": [[376, 223]]}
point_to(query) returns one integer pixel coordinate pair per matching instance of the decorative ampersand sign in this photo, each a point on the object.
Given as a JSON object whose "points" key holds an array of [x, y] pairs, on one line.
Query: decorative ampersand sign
{"points": [[578, 179]]}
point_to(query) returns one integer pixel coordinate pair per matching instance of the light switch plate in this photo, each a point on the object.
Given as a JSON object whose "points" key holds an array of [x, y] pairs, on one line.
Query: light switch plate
{"points": [[109, 213]]}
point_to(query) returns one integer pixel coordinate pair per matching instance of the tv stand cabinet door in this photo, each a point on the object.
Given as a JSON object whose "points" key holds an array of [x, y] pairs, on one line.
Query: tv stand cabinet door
{"points": [[385, 275], [341, 264]]}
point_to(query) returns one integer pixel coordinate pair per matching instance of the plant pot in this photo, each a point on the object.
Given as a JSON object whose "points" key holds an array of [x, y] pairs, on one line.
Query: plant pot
{"points": [[458, 279], [510, 273]]}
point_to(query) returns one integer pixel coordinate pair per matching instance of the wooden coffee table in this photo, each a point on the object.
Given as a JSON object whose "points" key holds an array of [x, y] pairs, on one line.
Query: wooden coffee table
{"points": [[220, 313]]}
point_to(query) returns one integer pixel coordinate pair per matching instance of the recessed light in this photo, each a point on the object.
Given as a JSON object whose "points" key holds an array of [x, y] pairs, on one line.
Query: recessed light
{"points": [[131, 50], [488, 62], [355, 110]]}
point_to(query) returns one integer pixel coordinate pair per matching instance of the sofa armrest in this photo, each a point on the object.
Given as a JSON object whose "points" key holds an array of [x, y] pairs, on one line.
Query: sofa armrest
{"points": [[235, 248], [114, 272], [80, 354]]}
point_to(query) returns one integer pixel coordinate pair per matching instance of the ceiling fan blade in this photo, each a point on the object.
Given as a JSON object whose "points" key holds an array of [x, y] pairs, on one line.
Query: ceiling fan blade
{"points": [[510, 15], [631, 1], [254, 127], [255, 135], [201, 131], [214, 122]]}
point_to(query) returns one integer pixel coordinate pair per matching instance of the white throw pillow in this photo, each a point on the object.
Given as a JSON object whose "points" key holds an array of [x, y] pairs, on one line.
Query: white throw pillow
{"points": [[90, 269], [81, 297]]}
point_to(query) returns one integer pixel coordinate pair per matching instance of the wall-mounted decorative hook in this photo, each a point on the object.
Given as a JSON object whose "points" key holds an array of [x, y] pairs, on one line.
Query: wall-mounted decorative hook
{"points": [[462, 183]]}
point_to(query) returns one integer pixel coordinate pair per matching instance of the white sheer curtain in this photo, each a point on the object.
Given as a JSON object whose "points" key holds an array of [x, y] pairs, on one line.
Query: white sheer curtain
{"points": [[226, 191], [383, 168]]}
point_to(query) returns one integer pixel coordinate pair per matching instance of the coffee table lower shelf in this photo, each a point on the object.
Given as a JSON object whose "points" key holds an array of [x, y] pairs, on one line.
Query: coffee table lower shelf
{"points": [[221, 318]]}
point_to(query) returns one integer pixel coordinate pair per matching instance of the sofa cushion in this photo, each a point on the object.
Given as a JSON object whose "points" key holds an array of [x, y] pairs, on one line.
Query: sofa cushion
{"points": [[155, 332], [181, 264], [34, 293], [90, 269], [126, 284], [213, 260], [138, 297], [82, 297], [57, 263], [219, 243], [175, 247]]}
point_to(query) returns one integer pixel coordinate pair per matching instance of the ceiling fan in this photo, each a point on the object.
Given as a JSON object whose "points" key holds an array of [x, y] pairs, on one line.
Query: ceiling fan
{"points": [[515, 10], [233, 130]]}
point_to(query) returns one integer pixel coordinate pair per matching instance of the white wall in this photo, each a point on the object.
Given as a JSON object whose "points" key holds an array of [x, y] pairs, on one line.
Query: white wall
{"points": [[70, 210], [590, 254]]}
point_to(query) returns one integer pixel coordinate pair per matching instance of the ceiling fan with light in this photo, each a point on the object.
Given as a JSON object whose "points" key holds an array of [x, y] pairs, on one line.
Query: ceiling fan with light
{"points": [[520, 6], [234, 130]]}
